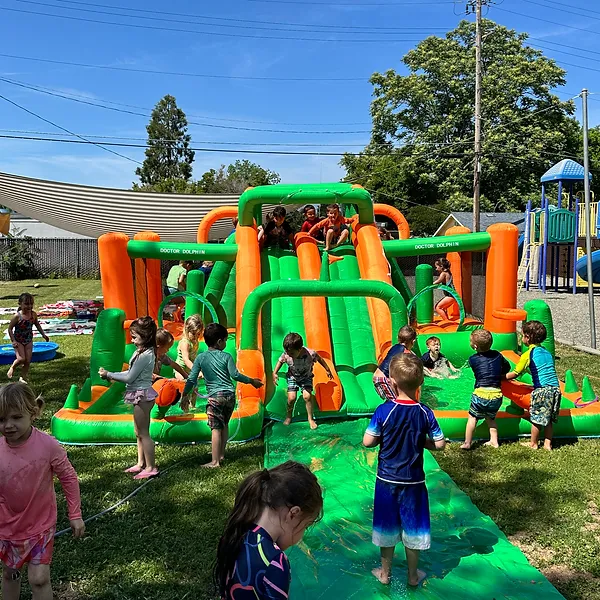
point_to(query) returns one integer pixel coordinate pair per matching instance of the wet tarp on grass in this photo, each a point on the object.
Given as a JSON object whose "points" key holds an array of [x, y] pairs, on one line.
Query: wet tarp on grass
{"points": [[470, 558]]}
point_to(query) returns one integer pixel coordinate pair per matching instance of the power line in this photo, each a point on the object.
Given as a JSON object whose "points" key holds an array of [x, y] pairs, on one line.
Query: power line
{"points": [[209, 125], [547, 21], [571, 6], [216, 33], [370, 29], [81, 138], [373, 4], [562, 10]]}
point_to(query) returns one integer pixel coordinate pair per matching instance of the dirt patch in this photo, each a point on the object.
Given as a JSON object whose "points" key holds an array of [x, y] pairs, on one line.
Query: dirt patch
{"points": [[560, 575], [535, 552]]}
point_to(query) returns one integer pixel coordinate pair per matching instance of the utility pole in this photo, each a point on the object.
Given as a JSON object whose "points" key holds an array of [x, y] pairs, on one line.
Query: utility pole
{"points": [[588, 216], [477, 162]]}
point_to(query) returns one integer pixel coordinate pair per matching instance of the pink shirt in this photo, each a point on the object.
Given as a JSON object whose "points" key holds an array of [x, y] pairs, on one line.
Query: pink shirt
{"points": [[27, 497]]}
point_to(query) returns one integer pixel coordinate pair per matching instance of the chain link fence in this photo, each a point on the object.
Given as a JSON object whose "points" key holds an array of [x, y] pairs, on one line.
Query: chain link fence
{"points": [[27, 258]]}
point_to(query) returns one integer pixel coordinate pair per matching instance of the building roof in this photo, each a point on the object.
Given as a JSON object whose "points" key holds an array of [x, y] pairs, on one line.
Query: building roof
{"points": [[565, 170], [91, 211], [485, 220], [35, 229]]}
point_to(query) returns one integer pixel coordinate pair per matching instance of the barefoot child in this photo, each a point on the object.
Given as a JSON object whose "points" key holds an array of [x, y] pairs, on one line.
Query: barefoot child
{"points": [[300, 362], [272, 510], [187, 348], [311, 219], [489, 368], [381, 378], [335, 227], [442, 266], [29, 460], [164, 342], [278, 232], [435, 363], [139, 393], [546, 395], [219, 369], [402, 428], [20, 331]]}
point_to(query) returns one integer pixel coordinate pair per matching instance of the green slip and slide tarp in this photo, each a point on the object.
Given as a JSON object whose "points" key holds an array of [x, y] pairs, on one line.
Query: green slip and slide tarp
{"points": [[470, 558]]}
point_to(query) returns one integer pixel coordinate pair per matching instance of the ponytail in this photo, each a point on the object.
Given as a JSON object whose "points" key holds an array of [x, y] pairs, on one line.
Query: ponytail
{"points": [[444, 263], [287, 485]]}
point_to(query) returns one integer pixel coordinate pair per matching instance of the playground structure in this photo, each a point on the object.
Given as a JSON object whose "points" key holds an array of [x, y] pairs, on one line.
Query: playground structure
{"points": [[555, 233], [348, 305]]}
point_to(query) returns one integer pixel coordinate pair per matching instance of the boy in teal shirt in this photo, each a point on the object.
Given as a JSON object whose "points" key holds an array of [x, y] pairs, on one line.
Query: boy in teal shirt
{"points": [[546, 394], [218, 369]]}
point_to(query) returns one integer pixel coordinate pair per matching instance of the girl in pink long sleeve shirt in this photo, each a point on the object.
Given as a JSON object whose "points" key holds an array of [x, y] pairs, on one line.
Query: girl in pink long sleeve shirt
{"points": [[29, 459]]}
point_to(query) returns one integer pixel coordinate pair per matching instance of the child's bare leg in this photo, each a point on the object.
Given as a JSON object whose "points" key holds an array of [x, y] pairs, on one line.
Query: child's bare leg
{"points": [[415, 575], [290, 407], [224, 440], [39, 582], [441, 312], [216, 448], [535, 436], [19, 360], [28, 355], [384, 573], [328, 239], [343, 237], [141, 416], [471, 425], [548, 430], [491, 423], [308, 400], [140, 448], [11, 584]]}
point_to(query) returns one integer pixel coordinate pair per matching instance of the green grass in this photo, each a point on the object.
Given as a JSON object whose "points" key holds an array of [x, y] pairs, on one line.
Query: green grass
{"points": [[161, 544]]}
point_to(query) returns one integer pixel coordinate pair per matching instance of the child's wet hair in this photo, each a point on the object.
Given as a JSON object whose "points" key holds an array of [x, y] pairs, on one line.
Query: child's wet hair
{"points": [[19, 397], [535, 331], [407, 371], [194, 326], [25, 297], [444, 263], [333, 207], [279, 211], [284, 486], [482, 339], [292, 341], [432, 339], [407, 334], [145, 328], [213, 333], [164, 337]]}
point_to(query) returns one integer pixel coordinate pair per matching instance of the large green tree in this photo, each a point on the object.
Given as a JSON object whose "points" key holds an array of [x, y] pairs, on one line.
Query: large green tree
{"points": [[235, 178], [421, 148], [168, 162]]}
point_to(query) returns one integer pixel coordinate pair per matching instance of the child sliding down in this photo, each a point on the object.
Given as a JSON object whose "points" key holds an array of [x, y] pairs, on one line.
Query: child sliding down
{"points": [[435, 363], [300, 361]]}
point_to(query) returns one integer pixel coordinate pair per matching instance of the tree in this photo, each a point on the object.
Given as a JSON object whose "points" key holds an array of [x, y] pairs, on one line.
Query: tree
{"points": [[423, 123], [168, 156], [235, 178]]}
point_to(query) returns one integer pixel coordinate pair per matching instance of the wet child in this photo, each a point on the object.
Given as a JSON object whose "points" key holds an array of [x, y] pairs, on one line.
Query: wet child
{"points": [[442, 266], [218, 369], [300, 361], [272, 510], [278, 233], [546, 395], [489, 368], [435, 363], [29, 460], [20, 332], [381, 378], [403, 429], [310, 220], [187, 348], [335, 227], [164, 342]]}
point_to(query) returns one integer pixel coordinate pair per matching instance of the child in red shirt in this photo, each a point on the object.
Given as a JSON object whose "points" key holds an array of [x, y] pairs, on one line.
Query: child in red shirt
{"points": [[29, 459], [335, 225], [310, 214]]}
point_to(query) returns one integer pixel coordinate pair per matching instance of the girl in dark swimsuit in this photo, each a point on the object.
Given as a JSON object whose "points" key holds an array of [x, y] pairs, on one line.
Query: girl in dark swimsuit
{"points": [[442, 266]]}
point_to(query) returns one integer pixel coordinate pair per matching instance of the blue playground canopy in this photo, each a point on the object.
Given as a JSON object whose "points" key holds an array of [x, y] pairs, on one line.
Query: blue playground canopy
{"points": [[565, 170]]}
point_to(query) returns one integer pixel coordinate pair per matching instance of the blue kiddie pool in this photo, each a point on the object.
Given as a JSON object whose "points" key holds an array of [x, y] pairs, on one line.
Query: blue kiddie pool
{"points": [[41, 351]]}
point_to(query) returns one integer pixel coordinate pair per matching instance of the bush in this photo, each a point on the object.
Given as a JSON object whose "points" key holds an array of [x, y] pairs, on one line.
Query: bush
{"points": [[17, 255]]}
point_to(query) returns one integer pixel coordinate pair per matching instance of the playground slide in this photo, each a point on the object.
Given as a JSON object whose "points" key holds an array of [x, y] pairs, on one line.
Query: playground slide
{"points": [[582, 267]]}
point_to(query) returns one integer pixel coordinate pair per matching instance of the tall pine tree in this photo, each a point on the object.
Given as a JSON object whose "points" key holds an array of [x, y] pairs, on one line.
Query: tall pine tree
{"points": [[168, 156]]}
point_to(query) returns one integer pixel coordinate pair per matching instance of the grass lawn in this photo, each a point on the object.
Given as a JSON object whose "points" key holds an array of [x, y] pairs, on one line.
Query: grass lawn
{"points": [[160, 545]]}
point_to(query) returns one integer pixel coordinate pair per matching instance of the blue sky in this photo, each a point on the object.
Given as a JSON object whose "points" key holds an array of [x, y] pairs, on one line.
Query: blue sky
{"points": [[339, 103]]}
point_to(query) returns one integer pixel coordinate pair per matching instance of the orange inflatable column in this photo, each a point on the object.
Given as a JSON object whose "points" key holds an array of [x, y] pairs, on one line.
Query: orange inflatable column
{"points": [[148, 280], [392, 213], [211, 217], [461, 272], [116, 273], [501, 276], [247, 272]]}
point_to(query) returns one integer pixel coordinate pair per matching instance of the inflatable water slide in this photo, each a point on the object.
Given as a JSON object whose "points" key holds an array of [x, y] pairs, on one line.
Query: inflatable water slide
{"points": [[347, 304]]}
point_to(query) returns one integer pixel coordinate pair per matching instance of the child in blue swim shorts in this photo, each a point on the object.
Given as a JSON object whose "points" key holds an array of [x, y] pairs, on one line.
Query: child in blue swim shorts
{"points": [[402, 428]]}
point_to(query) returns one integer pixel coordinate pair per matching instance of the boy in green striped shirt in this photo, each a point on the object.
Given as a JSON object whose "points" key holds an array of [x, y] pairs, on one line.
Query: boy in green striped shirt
{"points": [[218, 369]]}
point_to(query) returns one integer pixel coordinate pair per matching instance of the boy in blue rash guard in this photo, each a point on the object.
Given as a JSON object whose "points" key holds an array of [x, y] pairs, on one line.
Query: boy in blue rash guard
{"points": [[546, 395], [381, 378], [402, 428]]}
